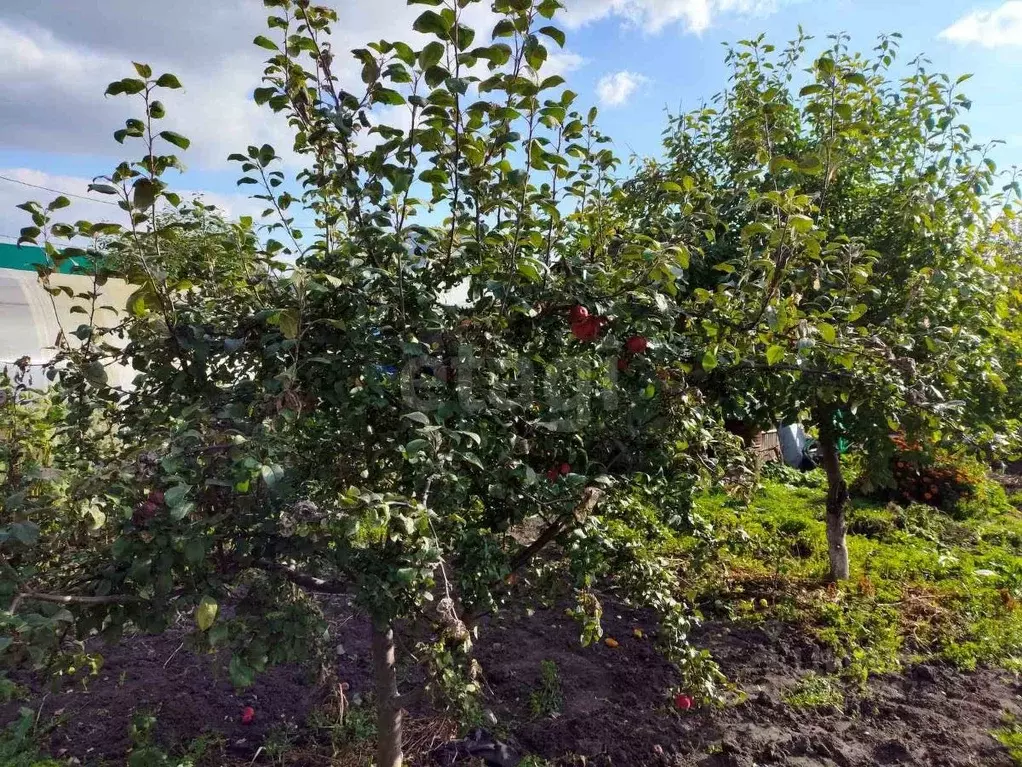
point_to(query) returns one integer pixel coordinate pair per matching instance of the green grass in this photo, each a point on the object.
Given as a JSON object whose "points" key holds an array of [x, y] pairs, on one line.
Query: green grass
{"points": [[1010, 736], [547, 700], [924, 585], [814, 691]]}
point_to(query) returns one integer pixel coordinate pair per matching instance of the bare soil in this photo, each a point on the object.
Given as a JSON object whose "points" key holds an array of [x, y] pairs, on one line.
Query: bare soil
{"points": [[616, 709]]}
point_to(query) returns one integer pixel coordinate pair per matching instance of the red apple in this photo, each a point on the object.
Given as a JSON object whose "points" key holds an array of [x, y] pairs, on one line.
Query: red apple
{"points": [[552, 474], [588, 329], [622, 364], [565, 468], [636, 344], [683, 701], [577, 314], [247, 715]]}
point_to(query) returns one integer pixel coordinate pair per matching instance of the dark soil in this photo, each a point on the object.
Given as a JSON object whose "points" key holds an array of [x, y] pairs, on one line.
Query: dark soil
{"points": [[616, 711]]}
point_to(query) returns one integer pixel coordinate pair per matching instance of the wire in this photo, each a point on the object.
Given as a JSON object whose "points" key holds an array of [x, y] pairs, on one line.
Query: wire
{"points": [[55, 191]]}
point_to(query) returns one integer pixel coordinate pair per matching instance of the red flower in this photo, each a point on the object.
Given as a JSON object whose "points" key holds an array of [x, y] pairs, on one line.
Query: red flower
{"points": [[636, 344], [247, 715], [577, 314], [683, 702], [565, 468]]}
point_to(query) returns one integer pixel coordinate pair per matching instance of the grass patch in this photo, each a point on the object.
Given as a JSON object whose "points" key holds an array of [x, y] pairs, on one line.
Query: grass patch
{"points": [[924, 585], [1010, 736], [814, 691], [547, 699]]}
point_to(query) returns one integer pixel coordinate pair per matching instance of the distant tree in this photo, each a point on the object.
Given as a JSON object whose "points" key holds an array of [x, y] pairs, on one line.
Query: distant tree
{"points": [[193, 242], [842, 211]]}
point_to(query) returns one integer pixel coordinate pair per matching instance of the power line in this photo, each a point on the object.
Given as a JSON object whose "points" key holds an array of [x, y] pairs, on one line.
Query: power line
{"points": [[55, 191]]}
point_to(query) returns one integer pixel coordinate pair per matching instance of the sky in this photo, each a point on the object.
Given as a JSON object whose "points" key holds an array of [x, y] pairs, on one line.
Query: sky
{"points": [[634, 59]]}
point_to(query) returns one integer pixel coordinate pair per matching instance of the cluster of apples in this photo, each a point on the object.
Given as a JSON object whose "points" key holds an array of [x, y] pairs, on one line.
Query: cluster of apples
{"points": [[149, 508], [558, 471], [587, 327]]}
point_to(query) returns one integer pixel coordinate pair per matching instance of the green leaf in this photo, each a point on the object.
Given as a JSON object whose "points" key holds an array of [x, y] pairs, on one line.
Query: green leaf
{"points": [[288, 324], [531, 268], [416, 446], [774, 354], [554, 34], [800, 223], [857, 311], [143, 194], [431, 23], [431, 55], [809, 90], [709, 361], [195, 551], [265, 42], [827, 332], [205, 613], [181, 511], [175, 138], [241, 674], [96, 374], [388, 96], [167, 80], [417, 417], [176, 495], [144, 70]]}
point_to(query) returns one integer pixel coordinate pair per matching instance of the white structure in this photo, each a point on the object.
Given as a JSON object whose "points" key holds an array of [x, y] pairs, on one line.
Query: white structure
{"points": [[31, 319]]}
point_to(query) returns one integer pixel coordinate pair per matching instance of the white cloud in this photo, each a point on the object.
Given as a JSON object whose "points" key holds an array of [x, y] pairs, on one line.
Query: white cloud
{"points": [[59, 55], [615, 89], [653, 16], [55, 87], [562, 62], [991, 29]]}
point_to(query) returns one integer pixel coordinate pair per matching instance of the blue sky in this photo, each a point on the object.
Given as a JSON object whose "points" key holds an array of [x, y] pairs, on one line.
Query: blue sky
{"points": [[632, 57]]}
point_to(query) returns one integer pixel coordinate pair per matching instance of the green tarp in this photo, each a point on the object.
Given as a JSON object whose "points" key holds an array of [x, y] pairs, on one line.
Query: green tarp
{"points": [[26, 257]]}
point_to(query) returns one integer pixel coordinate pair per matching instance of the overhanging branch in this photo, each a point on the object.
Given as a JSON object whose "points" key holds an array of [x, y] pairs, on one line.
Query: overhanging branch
{"points": [[305, 580]]}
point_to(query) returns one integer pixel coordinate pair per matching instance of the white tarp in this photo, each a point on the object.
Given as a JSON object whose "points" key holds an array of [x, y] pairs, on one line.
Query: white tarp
{"points": [[30, 321]]}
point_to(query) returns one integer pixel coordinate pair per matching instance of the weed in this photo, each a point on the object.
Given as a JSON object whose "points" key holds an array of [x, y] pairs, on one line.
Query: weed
{"points": [[146, 753], [10, 690], [547, 700], [1010, 736], [814, 691], [353, 730], [18, 747]]}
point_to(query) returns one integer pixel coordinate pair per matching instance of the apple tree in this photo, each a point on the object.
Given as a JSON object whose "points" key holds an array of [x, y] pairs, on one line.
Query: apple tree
{"points": [[444, 328], [842, 273]]}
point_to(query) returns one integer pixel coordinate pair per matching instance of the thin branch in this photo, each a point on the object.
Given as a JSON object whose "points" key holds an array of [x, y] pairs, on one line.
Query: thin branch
{"points": [[305, 580], [590, 497], [72, 599]]}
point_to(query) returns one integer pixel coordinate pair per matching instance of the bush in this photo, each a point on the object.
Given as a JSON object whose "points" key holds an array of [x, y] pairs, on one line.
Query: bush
{"points": [[951, 482]]}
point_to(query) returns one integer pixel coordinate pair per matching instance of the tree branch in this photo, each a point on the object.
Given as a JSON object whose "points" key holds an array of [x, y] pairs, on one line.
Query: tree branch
{"points": [[72, 599], [305, 580], [590, 497]]}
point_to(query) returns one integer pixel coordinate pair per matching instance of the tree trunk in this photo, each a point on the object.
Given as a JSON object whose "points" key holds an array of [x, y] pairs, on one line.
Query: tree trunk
{"points": [[388, 705], [837, 499]]}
